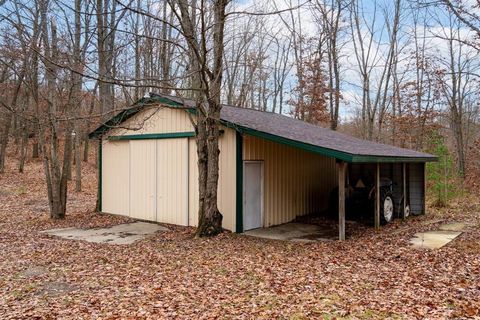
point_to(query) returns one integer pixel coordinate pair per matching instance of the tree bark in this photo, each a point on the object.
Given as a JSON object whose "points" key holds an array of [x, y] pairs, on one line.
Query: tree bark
{"points": [[78, 164], [4, 139], [207, 81]]}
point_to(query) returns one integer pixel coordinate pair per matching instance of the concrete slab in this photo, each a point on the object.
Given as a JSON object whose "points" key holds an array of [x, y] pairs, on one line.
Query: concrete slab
{"points": [[126, 233], [297, 232], [433, 239]]}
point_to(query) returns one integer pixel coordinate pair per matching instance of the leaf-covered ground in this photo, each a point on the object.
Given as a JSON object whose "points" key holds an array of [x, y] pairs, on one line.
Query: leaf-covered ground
{"points": [[174, 275]]}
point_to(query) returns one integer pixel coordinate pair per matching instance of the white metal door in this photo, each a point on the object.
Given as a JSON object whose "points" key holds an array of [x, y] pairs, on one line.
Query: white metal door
{"points": [[252, 195]]}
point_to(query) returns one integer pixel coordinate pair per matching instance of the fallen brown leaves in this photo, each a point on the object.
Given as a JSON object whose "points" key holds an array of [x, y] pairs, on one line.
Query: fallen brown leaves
{"points": [[174, 275]]}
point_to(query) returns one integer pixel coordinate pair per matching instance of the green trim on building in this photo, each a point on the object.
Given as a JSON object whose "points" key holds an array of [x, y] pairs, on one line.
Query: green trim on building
{"points": [[148, 136], [100, 180], [239, 183]]}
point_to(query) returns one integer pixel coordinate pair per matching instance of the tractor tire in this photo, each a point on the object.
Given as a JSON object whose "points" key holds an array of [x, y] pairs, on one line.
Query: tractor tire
{"points": [[406, 212], [387, 207]]}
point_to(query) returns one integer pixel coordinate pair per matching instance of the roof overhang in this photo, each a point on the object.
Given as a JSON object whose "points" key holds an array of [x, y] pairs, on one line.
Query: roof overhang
{"points": [[155, 99], [340, 155]]}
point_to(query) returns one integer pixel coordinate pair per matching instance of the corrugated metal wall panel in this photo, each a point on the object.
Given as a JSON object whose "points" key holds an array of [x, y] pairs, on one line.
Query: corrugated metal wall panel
{"points": [[296, 182], [227, 179], [226, 182], [193, 183], [115, 177], [172, 181], [142, 179], [416, 186]]}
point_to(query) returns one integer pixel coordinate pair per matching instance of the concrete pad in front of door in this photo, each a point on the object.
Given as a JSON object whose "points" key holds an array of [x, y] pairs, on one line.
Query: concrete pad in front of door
{"points": [[299, 232], [126, 233]]}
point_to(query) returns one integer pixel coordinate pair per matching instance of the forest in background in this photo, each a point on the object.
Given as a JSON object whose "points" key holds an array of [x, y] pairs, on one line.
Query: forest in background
{"points": [[399, 72]]}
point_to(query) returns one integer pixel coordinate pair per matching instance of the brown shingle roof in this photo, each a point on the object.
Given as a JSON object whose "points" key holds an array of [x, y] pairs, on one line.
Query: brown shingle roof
{"points": [[283, 129], [300, 131]]}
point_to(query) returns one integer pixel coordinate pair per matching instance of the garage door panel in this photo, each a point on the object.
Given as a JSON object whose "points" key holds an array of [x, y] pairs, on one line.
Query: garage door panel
{"points": [[142, 179], [115, 177], [172, 181], [193, 184]]}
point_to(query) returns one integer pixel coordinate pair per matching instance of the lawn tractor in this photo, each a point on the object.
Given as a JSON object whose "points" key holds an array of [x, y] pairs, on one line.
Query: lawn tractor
{"points": [[360, 201]]}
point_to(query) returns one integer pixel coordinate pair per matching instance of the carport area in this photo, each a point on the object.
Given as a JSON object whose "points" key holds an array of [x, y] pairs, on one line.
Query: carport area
{"points": [[371, 194], [296, 192], [379, 191], [289, 169]]}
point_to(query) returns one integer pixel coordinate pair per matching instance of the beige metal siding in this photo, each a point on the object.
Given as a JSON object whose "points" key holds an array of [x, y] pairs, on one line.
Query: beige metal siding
{"points": [[171, 197], [227, 179], [115, 177], [142, 179], [172, 181], [296, 182], [226, 183], [155, 120], [192, 183]]}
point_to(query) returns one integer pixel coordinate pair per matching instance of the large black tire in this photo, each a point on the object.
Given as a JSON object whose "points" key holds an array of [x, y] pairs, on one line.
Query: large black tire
{"points": [[387, 207]]}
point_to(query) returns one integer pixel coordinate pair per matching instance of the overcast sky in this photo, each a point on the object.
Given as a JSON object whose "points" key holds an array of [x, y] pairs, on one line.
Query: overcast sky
{"points": [[435, 19]]}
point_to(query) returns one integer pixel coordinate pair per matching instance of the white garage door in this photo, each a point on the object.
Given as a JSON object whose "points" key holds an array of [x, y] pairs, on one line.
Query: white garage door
{"points": [[159, 180]]}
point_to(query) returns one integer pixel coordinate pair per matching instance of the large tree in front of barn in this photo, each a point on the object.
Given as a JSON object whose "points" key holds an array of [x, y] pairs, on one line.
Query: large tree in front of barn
{"points": [[205, 39]]}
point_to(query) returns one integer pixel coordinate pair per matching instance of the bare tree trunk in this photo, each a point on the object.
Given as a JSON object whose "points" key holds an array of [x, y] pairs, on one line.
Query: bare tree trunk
{"points": [[35, 149], [7, 122], [4, 136], [55, 172], [86, 149], [78, 164], [23, 149], [165, 50], [374, 102], [207, 119], [98, 160], [105, 43], [137, 55], [330, 20], [90, 112], [77, 94]]}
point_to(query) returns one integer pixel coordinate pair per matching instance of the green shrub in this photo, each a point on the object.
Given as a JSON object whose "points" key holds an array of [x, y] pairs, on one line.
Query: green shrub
{"points": [[440, 174]]}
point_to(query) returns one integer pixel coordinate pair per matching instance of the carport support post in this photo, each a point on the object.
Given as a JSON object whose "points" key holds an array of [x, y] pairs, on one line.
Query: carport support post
{"points": [[341, 200], [377, 197]]}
